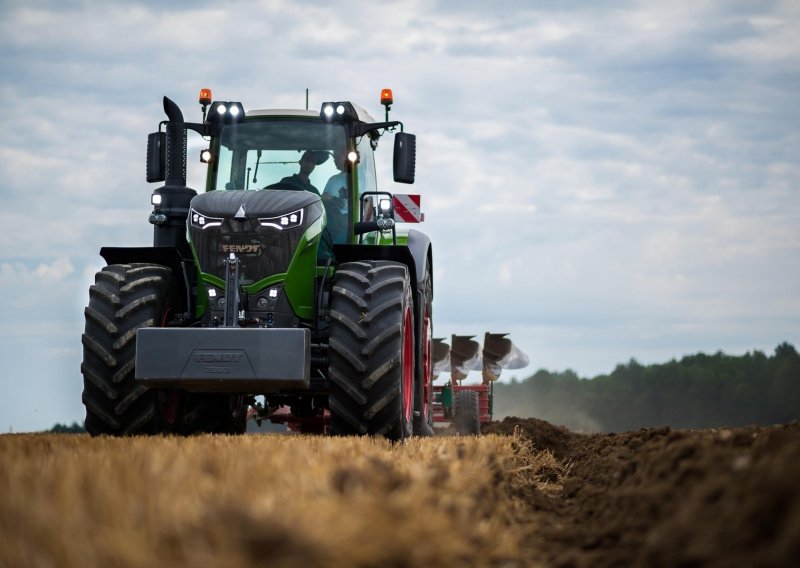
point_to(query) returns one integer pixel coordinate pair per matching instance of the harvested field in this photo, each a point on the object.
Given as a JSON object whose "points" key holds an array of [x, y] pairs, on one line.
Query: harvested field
{"points": [[289, 500], [530, 494]]}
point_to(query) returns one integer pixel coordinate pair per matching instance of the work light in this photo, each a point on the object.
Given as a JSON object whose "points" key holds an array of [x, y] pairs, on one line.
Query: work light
{"points": [[338, 112], [226, 112], [385, 206]]}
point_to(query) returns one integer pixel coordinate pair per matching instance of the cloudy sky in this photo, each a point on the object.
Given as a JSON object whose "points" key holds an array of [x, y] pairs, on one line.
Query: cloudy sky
{"points": [[605, 180]]}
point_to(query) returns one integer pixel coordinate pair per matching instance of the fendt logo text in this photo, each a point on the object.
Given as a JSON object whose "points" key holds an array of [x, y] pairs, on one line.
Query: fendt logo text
{"points": [[254, 248], [217, 357]]}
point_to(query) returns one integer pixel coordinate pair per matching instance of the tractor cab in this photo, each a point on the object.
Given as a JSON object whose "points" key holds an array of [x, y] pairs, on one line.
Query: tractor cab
{"points": [[329, 153]]}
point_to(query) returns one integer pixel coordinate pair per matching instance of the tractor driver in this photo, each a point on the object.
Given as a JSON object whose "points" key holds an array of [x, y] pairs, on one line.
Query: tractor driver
{"points": [[334, 197], [300, 181]]}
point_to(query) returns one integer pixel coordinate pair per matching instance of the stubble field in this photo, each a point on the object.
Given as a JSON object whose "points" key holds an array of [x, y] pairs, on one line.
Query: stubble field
{"points": [[526, 494]]}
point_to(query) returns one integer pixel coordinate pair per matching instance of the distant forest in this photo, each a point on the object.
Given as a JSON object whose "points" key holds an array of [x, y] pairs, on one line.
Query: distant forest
{"points": [[73, 428], [699, 391]]}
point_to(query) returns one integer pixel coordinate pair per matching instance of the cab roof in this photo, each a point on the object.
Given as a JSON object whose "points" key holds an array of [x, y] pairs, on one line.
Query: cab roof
{"points": [[363, 115]]}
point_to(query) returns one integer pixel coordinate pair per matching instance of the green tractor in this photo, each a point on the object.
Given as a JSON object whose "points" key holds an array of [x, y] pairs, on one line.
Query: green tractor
{"points": [[283, 292]]}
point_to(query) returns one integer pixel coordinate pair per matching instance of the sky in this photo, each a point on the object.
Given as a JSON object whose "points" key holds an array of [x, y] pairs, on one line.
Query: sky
{"points": [[603, 180]]}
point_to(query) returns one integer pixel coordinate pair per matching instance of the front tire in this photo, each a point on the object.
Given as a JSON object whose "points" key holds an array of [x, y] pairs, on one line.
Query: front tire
{"points": [[372, 350], [124, 298]]}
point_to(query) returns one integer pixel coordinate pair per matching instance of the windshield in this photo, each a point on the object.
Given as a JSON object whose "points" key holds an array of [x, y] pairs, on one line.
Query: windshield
{"points": [[279, 154]]}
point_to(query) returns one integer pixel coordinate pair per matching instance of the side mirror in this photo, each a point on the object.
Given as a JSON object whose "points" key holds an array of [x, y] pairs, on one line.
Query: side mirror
{"points": [[405, 157], [156, 156]]}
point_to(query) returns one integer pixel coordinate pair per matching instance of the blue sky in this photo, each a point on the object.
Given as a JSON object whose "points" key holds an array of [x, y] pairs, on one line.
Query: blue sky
{"points": [[604, 180]]}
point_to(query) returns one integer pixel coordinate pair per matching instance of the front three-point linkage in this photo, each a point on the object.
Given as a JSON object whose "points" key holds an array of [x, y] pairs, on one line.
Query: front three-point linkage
{"points": [[231, 315]]}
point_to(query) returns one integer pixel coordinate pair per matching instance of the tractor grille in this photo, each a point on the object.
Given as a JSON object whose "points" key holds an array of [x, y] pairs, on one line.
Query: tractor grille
{"points": [[262, 251], [232, 225]]}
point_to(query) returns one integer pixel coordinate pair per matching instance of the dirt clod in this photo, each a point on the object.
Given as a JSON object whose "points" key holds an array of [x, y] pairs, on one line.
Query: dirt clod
{"points": [[662, 497]]}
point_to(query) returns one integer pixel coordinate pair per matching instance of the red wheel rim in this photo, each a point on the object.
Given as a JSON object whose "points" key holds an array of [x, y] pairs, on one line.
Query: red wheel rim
{"points": [[426, 363], [408, 365]]}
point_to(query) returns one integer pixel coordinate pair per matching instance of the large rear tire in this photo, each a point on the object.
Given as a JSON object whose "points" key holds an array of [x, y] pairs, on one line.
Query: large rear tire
{"points": [[124, 298], [468, 413], [372, 350]]}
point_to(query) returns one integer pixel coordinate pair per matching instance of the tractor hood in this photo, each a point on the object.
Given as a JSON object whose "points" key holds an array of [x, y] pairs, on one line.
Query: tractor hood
{"points": [[253, 204], [262, 228]]}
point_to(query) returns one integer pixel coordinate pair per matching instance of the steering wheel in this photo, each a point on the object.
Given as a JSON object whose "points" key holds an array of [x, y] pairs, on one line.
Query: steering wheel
{"points": [[283, 185]]}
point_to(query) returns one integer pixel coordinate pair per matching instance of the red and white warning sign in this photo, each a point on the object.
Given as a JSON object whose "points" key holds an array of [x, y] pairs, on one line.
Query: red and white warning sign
{"points": [[406, 208]]}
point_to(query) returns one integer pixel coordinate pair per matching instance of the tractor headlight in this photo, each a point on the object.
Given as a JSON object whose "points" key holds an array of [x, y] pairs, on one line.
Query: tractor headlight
{"points": [[200, 221], [288, 221], [226, 112]]}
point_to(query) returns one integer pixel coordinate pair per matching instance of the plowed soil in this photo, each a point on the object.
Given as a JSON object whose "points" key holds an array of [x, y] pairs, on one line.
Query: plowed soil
{"points": [[526, 494], [661, 497]]}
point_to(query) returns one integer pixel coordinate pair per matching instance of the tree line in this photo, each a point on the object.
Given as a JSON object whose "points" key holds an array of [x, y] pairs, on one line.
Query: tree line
{"points": [[698, 391], [73, 428]]}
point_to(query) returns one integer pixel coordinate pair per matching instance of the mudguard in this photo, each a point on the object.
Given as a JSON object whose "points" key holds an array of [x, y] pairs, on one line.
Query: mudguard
{"points": [[414, 255], [183, 270], [420, 246]]}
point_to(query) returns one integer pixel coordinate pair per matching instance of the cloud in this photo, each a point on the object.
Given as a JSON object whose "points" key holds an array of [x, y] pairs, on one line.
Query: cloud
{"points": [[18, 274]]}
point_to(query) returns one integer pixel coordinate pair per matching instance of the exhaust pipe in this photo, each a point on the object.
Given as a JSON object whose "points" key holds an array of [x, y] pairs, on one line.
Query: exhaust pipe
{"points": [[169, 217], [176, 145]]}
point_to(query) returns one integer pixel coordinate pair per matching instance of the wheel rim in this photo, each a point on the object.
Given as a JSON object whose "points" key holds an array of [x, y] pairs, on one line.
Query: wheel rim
{"points": [[426, 364], [408, 366]]}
